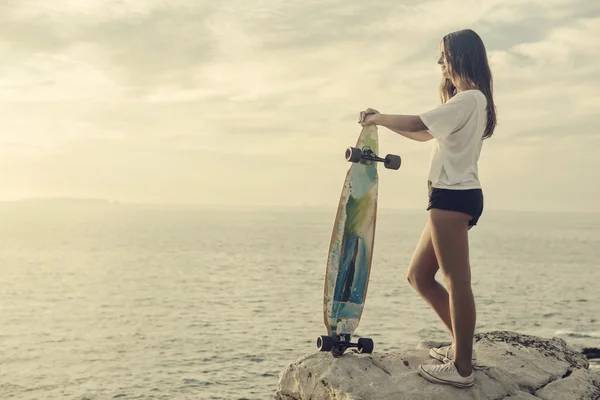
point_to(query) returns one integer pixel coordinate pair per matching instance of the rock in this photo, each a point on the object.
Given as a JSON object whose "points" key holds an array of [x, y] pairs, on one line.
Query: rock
{"points": [[509, 365], [591, 352], [593, 356], [574, 386]]}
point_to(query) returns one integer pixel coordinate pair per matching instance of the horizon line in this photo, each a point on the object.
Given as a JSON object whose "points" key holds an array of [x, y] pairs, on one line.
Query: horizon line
{"points": [[105, 201]]}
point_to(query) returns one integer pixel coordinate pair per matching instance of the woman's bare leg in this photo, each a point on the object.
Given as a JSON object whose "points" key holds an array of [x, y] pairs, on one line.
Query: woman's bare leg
{"points": [[421, 275], [449, 234]]}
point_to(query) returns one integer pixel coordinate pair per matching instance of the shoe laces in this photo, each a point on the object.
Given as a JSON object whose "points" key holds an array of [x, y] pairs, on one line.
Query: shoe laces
{"points": [[448, 349], [446, 367]]}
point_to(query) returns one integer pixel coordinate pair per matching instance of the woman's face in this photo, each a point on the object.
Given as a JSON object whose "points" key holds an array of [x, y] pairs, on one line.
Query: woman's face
{"points": [[443, 63]]}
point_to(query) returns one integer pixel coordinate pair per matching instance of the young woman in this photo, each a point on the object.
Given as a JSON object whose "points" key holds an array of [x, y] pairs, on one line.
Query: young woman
{"points": [[459, 125]]}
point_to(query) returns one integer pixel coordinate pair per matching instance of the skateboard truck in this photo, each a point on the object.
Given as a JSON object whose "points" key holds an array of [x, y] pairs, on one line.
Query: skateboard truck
{"points": [[337, 344], [366, 156]]}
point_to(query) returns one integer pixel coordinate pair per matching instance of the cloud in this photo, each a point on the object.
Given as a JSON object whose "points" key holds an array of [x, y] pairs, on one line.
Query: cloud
{"points": [[548, 84], [244, 88], [138, 44]]}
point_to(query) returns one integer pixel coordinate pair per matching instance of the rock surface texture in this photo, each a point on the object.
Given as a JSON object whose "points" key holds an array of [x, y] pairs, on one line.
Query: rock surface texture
{"points": [[509, 366]]}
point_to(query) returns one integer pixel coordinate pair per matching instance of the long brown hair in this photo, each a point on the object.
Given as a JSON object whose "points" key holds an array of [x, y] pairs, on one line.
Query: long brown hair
{"points": [[467, 60]]}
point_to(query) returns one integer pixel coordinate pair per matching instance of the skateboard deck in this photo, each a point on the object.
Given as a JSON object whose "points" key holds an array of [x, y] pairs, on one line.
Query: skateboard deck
{"points": [[351, 245]]}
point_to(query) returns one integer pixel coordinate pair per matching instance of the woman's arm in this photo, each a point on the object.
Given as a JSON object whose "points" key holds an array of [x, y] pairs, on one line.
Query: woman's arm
{"points": [[410, 126]]}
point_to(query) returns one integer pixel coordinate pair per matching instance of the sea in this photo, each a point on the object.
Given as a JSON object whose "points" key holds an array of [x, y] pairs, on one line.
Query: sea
{"points": [[102, 300]]}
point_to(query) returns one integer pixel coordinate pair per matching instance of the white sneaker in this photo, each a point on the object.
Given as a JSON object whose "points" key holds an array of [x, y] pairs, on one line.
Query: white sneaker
{"points": [[446, 374], [446, 353]]}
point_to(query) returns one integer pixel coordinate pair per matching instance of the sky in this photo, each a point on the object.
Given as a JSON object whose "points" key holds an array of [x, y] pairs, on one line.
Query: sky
{"points": [[254, 102]]}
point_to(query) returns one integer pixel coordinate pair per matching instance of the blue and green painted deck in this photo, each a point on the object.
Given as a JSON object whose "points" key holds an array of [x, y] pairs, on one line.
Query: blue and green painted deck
{"points": [[351, 247]]}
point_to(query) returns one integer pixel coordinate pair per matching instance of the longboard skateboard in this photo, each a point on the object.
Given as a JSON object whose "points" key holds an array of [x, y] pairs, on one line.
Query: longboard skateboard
{"points": [[351, 246]]}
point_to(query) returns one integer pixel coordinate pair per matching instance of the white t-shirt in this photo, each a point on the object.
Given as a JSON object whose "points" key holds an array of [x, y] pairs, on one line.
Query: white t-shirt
{"points": [[457, 126]]}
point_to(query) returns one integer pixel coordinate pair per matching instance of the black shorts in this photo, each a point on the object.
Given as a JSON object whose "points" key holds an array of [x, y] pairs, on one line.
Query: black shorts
{"points": [[468, 201]]}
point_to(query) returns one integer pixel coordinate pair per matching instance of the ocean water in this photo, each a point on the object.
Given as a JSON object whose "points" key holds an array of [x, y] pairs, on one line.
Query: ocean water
{"points": [[105, 301]]}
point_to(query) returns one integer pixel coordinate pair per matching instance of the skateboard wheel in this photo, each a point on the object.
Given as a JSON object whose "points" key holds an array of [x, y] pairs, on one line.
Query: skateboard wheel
{"points": [[365, 345], [392, 161], [324, 343], [338, 351], [353, 154]]}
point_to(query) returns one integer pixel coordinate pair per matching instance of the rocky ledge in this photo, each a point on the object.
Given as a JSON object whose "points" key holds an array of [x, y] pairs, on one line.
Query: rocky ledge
{"points": [[509, 366]]}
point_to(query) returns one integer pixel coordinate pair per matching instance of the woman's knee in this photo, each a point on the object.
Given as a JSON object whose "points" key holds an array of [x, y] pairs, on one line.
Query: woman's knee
{"points": [[423, 265], [419, 279]]}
